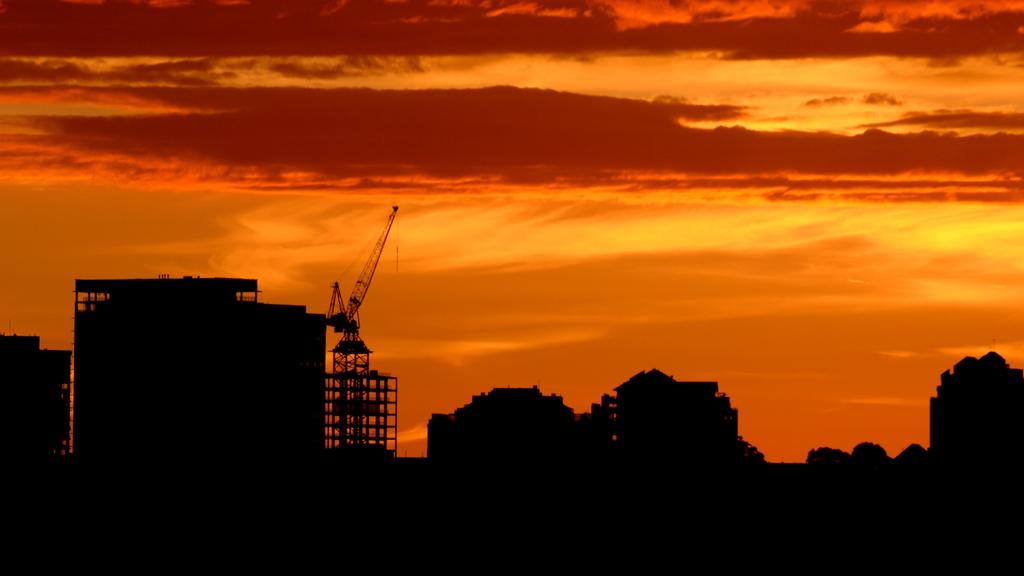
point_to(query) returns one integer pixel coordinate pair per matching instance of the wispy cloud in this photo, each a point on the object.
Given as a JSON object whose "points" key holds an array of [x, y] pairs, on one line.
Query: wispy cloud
{"points": [[458, 352], [955, 119], [735, 28], [289, 137], [886, 401], [899, 354], [417, 433]]}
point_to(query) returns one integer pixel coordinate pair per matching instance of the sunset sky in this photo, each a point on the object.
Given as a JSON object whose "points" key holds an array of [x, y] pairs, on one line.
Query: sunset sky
{"points": [[819, 204]]}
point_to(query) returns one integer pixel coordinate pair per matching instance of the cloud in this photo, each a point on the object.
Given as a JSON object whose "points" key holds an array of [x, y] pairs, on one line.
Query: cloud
{"points": [[874, 99], [500, 134], [831, 101], [874, 27], [1011, 349], [900, 13], [179, 72], [899, 354], [197, 71], [643, 13], [532, 9], [417, 433], [461, 351], [333, 7], [345, 66], [886, 401], [881, 99], [46, 71], [950, 119], [732, 28]]}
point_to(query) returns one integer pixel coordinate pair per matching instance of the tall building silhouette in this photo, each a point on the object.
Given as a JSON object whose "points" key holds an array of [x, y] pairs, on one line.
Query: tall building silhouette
{"points": [[513, 425], [35, 400], [975, 415], [194, 369], [657, 418]]}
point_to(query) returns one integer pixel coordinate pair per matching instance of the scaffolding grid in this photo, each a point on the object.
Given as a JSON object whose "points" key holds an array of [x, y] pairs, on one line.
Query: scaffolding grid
{"points": [[361, 410]]}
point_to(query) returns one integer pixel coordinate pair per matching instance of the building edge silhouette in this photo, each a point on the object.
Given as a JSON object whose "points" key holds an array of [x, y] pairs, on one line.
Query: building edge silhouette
{"points": [[35, 400]]}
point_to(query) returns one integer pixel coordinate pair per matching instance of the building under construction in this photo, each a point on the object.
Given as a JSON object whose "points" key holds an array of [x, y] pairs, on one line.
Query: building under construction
{"points": [[194, 369], [361, 411], [360, 404]]}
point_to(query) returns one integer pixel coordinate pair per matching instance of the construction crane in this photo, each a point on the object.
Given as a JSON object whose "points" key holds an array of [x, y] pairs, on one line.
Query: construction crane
{"points": [[345, 319], [360, 404]]}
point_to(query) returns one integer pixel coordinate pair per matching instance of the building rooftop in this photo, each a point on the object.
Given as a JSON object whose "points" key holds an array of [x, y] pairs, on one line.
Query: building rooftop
{"points": [[655, 378], [15, 343], [165, 290], [226, 284]]}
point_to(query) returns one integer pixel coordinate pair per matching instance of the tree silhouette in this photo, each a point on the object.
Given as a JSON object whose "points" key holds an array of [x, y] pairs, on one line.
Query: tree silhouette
{"points": [[749, 454], [870, 455], [827, 456]]}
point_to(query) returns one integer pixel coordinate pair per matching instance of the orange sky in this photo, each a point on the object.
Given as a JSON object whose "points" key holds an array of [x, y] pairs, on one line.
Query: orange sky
{"points": [[816, 203]]}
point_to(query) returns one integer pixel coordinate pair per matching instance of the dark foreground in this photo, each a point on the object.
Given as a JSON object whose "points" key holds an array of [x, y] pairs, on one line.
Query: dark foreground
{"points": [[498, 519], [554, 490]]}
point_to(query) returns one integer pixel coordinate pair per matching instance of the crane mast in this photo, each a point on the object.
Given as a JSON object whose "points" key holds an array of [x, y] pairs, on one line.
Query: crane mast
{"points": [[360, 404]]}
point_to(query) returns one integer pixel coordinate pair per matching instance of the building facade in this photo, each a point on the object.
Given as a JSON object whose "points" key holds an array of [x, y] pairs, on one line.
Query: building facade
{"points": [[974, 419], [35, 400], [194, 369], [658, 419], [513, 425]]}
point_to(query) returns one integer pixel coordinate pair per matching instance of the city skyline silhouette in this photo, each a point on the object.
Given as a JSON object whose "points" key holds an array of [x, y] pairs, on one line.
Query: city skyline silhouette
{"points": [[247, 379], [815, 204]]}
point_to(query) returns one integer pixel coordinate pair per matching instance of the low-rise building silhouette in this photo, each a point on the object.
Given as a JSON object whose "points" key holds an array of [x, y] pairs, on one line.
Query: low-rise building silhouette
{"points": [[912, 455], [975, 415], [194, 369], [35, 400], [651, 419], [597, 433], [658, 418], [512, 425]]}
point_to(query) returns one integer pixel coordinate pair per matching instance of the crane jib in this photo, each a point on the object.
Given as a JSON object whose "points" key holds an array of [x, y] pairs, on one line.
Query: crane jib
{"points": [[362, 286]]}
